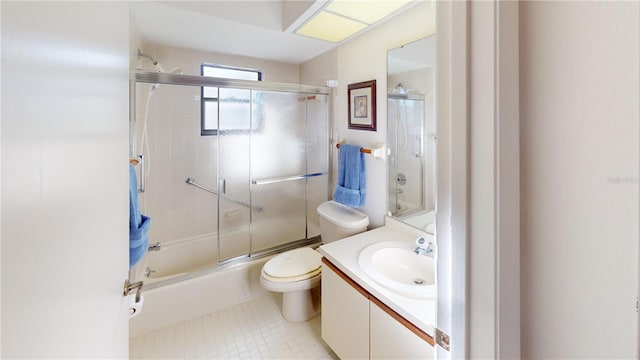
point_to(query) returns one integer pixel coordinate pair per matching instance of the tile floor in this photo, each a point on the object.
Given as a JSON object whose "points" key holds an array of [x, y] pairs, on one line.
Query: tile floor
{"points": [[252, 330]]}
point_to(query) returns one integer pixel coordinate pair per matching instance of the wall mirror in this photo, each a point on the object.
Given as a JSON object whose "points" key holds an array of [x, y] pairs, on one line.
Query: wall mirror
{"points": [[411, 133]]}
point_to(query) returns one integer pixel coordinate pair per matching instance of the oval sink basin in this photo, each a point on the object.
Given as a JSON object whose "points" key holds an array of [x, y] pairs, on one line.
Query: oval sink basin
{"points": [[394, 265]]}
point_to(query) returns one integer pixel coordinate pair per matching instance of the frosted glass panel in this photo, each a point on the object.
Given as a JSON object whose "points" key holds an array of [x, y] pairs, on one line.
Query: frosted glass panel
{"points": [[278, 135], [279, 214], [278, 149], [234, 159], [317, 133], [317, 193]]}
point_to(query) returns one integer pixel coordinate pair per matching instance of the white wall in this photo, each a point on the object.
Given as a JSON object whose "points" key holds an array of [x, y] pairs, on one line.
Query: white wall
{"points": [[579, 138], [189, 61], [365, 58], [64, 179]]}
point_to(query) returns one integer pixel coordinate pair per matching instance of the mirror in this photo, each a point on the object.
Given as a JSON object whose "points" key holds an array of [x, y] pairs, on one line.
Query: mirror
{"points": [[411, 129]]}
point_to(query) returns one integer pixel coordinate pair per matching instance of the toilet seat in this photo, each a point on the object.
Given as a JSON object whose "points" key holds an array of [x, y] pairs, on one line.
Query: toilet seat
{"points": [[293, 265]]}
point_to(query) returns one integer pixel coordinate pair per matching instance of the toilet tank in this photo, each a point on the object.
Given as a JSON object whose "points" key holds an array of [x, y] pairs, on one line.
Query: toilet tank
{"points": [[339, 221]]}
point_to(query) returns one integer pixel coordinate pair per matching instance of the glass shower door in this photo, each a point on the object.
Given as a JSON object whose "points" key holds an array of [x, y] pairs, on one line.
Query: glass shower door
{"points": [[234, 202], [278, 169]]}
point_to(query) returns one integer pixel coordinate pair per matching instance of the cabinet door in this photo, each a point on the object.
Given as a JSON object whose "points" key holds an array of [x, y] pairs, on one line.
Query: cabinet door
{"points": [[345, 317], [392, 340]]}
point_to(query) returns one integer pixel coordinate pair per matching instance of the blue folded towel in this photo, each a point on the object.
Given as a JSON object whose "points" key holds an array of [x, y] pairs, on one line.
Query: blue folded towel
{"points": [[139, 224], [350, 190]]}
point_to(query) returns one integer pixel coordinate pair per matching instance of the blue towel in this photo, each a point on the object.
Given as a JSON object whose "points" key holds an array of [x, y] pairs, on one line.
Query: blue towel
{"points": [[350, 190], [139, 224]]}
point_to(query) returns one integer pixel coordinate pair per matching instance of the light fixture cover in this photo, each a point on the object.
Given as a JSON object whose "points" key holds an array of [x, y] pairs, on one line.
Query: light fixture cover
{"points": [[330, 27], [365, 11]]}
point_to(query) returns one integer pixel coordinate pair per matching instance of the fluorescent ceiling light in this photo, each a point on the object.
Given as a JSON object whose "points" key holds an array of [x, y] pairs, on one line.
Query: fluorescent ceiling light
{"points": [[330, 27], [340, 19], [365, 11]]}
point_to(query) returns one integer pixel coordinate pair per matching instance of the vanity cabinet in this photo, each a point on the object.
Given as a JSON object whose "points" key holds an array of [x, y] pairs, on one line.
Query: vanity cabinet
{"points": [[345, 317], [356, 325], [390, 339]]}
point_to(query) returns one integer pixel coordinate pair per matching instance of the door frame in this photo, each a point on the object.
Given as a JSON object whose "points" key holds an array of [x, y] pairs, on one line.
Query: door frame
{"points": [[452, 177], [478, 266]]}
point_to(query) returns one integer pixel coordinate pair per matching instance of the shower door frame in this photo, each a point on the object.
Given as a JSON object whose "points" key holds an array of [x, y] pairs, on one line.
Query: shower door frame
{"points": [[152, 77], [423, 198]]}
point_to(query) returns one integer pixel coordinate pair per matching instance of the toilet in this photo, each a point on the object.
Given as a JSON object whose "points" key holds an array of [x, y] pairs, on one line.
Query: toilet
{"points": [[296, 272]]}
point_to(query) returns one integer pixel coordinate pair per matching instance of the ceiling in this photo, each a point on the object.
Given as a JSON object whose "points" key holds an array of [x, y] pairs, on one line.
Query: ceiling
{"points": [[247, 28]]}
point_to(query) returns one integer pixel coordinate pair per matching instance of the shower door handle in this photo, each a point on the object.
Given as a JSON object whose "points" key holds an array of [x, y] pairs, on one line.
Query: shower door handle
{"points": [[221, 186], [286, 178]]}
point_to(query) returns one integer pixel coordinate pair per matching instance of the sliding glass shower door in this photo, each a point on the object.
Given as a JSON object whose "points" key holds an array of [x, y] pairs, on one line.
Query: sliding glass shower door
{"points": [[234, 157], [281, 138], [278, 169]]}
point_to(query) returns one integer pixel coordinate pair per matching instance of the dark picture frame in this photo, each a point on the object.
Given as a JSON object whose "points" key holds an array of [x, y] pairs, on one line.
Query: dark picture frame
{"points": [[362, 105]]}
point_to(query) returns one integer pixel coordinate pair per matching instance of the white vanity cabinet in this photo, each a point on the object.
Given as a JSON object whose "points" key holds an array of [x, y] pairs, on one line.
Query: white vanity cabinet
{"points": [[356, 325], [390, 339], [345, 317]]}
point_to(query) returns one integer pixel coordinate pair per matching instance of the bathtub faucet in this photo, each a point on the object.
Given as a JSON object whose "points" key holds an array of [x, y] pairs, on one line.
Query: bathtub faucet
{"points": [[155, 247]]}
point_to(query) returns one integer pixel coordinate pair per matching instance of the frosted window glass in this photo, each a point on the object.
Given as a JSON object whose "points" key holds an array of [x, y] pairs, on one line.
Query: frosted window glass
{"points": [[211, 94], [210, 119]]}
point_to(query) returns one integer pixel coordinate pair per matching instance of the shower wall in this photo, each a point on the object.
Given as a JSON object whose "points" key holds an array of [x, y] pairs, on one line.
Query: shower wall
{"points": [[177, 151]]}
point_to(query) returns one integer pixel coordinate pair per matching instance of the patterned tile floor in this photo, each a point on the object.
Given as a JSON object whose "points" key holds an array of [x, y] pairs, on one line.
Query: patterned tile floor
{"points": [[252, 330]]}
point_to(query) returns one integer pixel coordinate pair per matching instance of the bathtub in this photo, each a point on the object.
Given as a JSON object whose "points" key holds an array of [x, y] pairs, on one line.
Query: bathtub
{"points": [[205, 292], [188, 282], [179, 257]]}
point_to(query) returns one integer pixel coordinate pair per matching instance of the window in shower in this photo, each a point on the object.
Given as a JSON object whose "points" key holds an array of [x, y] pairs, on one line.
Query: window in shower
{"points": [[210, 97]]}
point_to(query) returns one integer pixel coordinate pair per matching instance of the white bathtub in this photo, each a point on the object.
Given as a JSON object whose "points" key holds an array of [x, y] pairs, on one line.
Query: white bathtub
{"points": [[213, 290], [188, 283], [179, 257]]}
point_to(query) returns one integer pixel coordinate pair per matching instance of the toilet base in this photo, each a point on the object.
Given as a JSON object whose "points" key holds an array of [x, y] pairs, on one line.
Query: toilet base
{"points": [[299, 306]]}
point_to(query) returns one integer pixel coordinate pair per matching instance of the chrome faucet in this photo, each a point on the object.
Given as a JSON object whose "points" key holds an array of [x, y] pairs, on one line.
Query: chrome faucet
{"points": [[423, 247]]}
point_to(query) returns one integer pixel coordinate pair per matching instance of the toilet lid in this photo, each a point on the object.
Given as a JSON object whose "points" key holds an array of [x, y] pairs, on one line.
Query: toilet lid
{"points": [[293, 263]]}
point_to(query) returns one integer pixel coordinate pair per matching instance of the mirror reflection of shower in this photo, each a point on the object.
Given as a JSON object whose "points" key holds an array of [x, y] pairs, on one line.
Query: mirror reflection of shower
{"points": [[411, 79], [405, 117]]}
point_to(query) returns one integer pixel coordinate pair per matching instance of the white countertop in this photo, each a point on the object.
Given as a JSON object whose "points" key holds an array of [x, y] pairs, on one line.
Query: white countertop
{"points": [[344, 255]]}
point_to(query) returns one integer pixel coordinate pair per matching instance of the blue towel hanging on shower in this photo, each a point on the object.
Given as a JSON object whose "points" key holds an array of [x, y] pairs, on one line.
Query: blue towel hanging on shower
{"points": [[350, 190], [139, 224]]}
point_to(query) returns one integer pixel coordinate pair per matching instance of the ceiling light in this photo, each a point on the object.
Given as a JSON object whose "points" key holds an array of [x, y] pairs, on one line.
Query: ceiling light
{"points": [[330, 27], [366, 11], [341, 19]]}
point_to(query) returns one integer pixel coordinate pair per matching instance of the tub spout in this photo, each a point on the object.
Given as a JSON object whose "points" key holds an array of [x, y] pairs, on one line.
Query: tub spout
{"points": [[155, 247]]}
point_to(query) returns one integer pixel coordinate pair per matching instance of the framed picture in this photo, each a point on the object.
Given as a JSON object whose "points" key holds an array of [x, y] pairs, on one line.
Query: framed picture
{"points": [[362, 105]]}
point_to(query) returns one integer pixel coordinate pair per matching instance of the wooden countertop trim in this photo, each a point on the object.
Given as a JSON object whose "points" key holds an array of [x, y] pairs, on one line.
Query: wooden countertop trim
{"points": [[406, 323], [414, 329], [346, 278]]}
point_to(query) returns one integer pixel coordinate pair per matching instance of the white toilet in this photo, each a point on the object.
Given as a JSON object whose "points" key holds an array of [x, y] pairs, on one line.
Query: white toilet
{"points": [[296, 272]]}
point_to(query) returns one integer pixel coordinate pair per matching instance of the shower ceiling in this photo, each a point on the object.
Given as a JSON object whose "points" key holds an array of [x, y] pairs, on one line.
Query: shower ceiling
{"points": [[247, 28]]}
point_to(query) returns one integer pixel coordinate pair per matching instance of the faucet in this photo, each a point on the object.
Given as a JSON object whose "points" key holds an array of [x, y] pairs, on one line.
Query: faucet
{"points": [[423, 247]]}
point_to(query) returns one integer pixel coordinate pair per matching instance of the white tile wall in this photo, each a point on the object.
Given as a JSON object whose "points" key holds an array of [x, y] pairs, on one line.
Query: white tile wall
{"points": [[251, 330]]}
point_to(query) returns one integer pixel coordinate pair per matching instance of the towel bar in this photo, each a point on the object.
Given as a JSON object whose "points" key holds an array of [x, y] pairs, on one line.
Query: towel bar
{"points": [[378, 152]]}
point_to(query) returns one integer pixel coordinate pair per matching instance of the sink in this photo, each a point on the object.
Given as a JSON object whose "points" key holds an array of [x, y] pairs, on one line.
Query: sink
{"points": [[394, 265]]}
